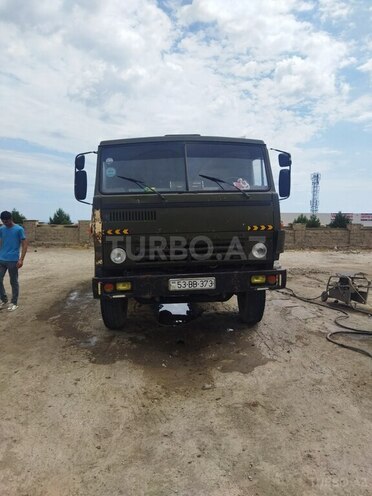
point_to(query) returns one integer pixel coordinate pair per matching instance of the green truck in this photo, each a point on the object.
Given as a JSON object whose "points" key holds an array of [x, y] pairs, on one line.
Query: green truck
{"points": [[185, 218]]}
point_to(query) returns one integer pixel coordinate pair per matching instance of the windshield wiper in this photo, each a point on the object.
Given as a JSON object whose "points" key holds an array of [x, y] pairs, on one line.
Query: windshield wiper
{"points": [[142, 185], [219, 181]]}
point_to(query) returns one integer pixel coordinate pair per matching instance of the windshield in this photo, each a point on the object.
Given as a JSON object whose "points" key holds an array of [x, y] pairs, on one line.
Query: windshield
{"points": [[180, 167]]}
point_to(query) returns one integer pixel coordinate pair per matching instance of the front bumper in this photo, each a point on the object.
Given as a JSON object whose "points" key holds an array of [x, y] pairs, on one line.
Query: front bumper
{"points": [[155, 286]]}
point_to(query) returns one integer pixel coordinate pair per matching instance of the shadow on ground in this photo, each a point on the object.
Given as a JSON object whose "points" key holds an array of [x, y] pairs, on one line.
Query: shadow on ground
{"points": [[215, 338]]}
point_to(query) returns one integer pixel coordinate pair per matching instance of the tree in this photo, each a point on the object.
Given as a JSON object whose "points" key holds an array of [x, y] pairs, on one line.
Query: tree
{"points": [[314, 221], [60, 217], [301, 219], [17, 217], [340, 220]]}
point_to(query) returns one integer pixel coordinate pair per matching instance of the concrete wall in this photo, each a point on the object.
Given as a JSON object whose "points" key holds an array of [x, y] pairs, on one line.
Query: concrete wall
{"points": [[354, 236], [52, 234], [296, 237], [325, 218]]}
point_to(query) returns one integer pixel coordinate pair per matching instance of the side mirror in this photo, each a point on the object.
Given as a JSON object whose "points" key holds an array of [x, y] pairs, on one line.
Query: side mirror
{"points": [[79, 162], [284, 183], [284, 160], [81, 182]]}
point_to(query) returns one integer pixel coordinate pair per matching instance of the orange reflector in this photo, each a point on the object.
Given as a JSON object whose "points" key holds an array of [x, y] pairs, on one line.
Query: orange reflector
{"points": [[123, 286], [271, 279], [108, 287], [258, 279]]}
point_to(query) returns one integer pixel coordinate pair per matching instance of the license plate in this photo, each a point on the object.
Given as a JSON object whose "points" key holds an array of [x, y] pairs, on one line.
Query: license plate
{"points": [[192, 283]]}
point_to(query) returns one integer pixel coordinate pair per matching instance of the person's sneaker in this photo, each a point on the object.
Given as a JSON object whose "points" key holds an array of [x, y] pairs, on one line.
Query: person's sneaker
{"points": [[3, 304], [12, 307]]}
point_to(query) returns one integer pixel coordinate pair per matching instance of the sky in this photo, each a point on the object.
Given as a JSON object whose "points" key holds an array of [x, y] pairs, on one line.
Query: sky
{"points": [[294, 73]]}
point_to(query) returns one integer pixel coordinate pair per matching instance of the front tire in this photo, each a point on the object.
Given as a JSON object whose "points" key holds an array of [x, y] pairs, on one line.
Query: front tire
{"points": [[251, 306], [114, 312]]}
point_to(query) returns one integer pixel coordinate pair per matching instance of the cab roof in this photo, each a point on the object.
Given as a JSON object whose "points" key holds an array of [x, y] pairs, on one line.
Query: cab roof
{"points": [[181, 137]]}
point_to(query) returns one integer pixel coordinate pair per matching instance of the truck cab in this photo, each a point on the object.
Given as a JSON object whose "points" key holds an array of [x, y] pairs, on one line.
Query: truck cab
{"points": [[185, 218]]}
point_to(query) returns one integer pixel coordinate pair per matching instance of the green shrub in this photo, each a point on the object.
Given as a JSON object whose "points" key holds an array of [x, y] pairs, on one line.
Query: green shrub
{"points": [[340, 220], [301, 219], [60, 217], [17, 217], [314, 221]]}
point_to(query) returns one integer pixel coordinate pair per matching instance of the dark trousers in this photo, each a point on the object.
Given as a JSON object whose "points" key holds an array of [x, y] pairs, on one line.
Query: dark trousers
{"points": [[11, 267]]}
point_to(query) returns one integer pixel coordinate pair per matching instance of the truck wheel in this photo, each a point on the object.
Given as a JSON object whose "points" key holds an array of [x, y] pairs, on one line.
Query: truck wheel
{"points": [[114, 312], [251, 306]]}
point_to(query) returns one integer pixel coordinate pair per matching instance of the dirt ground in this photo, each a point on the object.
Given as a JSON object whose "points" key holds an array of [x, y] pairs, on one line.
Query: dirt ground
{"points": [[207, 408]]}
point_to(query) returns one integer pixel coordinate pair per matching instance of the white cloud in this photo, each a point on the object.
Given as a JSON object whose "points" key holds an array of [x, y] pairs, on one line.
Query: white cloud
{"points": [[47, 172], [366, 67], [90, 70], [334, 9]]}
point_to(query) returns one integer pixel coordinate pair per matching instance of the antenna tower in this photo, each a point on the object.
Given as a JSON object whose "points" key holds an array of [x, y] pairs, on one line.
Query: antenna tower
{"points": [[314, 202]]}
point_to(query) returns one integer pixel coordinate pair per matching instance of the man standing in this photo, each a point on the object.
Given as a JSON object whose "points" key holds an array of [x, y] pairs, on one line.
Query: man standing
{"points": [[12, 236]]}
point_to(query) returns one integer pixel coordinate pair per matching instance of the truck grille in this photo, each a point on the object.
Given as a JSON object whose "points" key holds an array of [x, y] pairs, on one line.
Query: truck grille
{"points": [[129, 215]]}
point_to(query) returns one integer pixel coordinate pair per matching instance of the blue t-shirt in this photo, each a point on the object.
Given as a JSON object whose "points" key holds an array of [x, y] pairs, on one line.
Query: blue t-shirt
{"points": [[10, 241]]}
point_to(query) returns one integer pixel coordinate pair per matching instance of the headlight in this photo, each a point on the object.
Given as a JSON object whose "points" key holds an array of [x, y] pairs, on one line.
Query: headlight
{"points": [[259, 250], [118, 255]]}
